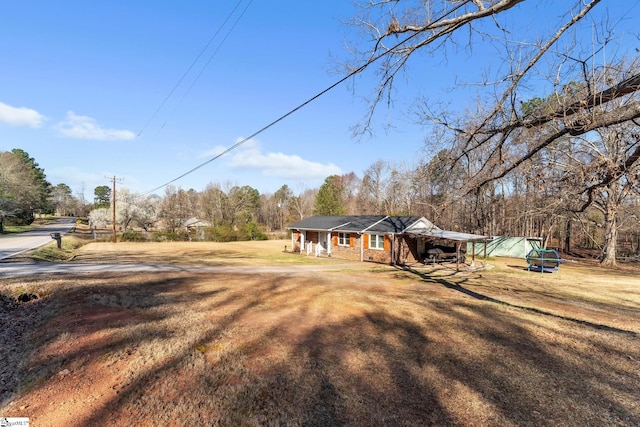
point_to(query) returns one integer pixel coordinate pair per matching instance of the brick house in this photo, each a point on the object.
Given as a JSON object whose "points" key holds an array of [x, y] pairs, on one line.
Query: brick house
{"points": [[378, 238]]}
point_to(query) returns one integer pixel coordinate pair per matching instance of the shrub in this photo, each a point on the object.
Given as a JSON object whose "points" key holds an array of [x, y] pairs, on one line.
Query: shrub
{"points": [[170, 236], [225, 232], [221, 233], [251, 231], [133, 236], [20, 218]]}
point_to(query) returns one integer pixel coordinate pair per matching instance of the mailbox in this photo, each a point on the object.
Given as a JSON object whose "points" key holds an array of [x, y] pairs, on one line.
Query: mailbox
{"points": [[58, 238]]}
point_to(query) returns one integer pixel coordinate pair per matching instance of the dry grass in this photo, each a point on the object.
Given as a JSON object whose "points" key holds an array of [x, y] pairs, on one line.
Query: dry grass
{"points": [[205, 253], [366, 346]]}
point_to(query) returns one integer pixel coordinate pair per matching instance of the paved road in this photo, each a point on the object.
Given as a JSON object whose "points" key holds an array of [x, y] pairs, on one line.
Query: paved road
{"points": [[17, 243]]}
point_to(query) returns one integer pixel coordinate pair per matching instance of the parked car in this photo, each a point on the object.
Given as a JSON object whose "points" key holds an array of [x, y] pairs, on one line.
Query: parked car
{"points": [[444, 253]]}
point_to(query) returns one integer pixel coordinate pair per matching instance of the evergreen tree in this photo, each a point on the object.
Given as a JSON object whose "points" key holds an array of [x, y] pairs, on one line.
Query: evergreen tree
{"points": [[102, 196], [330, 200]]}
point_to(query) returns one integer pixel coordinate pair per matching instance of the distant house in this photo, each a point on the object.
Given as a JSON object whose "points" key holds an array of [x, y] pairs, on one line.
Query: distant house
{"points": [[195, 223], [378, 238], [195, 227]]}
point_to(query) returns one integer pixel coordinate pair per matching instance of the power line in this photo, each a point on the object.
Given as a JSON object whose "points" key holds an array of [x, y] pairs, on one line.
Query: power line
{"points": [[155, 113], [313, 98], [207, 63]]}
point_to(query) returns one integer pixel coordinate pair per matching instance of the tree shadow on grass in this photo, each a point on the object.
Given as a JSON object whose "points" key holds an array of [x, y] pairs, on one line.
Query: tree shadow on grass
{"points": [[219, 350], [67, 313], [384, 369], [460, 288]]}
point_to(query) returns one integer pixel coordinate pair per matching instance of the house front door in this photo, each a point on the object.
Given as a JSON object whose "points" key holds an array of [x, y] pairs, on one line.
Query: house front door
{"points": [[324, 240]]}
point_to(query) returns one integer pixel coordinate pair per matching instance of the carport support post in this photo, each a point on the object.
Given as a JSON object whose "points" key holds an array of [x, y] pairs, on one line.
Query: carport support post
{"points": [[473, 254], [458, 244]]}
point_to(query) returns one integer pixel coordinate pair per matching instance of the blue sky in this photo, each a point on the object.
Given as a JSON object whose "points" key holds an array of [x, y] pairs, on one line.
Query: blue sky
{"points": [[81, 81]]}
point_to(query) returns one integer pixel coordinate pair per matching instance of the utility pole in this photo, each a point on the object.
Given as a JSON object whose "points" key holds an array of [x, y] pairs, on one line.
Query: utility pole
{"points": [[113, 210]]}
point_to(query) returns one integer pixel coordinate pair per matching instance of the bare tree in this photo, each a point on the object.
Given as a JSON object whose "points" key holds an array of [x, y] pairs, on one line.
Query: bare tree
{"points": [[371, 191], [282, 199], [81, 202], [603, 170], [399, 30], [589, 92], [212, 203], [350, 186], [301, 206], [176, 208], [397, 192], [63, 201]]}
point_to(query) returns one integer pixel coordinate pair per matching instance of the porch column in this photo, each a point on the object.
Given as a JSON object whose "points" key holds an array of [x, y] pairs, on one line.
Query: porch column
{"points": [[303, 239]]}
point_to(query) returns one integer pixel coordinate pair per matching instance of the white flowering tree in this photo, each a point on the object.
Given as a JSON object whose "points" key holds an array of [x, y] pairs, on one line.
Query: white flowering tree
{"points": [[132, 210]]}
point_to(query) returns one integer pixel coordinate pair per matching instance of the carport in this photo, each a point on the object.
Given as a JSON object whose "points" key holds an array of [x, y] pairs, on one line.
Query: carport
{"points": [[435, 234]]}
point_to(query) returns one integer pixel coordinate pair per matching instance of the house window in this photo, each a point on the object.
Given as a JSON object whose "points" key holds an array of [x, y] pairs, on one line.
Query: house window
{"points": [[343, 239], [376, 241]]}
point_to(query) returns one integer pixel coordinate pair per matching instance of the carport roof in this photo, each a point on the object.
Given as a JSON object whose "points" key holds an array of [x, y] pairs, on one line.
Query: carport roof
{"points": [[436, 233]]}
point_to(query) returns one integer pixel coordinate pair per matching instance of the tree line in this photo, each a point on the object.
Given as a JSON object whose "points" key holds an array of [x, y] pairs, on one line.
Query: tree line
{"points": [[224, 211], [536, 201], [539, 200]]}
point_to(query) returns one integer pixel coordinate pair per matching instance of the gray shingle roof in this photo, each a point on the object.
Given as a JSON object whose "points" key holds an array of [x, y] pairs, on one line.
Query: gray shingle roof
{"points": [[394, 224], [357, 223], [415, 225], [345, 222]]}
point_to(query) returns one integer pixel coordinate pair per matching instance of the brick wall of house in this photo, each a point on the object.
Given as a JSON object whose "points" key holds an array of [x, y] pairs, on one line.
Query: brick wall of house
{"points": [[405, 248], [377, 255], [351, 252], [406, 251]]}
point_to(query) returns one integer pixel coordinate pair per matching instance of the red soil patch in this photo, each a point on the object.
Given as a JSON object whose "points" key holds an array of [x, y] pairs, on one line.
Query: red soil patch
{"points": [[82, 376]]}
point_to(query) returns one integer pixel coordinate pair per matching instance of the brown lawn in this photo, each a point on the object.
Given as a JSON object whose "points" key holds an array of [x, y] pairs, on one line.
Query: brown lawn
{"points": [[358, 344]]}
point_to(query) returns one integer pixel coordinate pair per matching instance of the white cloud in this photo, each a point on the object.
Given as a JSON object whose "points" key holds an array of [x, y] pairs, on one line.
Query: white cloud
{"points": [[20, 116], [84, 127], [280, 165], [218, 149]]}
